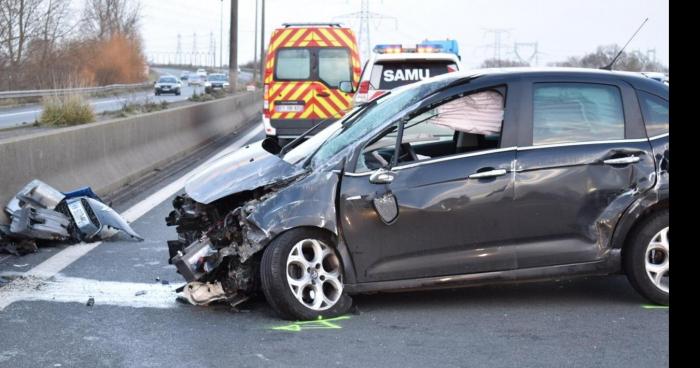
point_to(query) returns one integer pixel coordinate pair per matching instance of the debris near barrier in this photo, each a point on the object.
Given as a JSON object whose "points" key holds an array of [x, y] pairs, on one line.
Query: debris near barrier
{"points": [[40, 214]]}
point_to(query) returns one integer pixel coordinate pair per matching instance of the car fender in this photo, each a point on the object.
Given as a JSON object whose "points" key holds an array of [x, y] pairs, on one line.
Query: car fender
{"points": [[656, 197], [309, 201]]}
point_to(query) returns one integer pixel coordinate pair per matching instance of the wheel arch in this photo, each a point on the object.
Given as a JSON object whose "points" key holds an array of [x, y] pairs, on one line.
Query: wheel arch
{"points": [[635, 217]]}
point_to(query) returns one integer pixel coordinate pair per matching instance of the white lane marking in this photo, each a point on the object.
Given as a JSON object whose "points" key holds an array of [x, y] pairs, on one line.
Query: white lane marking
{"points": [[79, 290], [59, 261], [20, 113], [67, 256]]}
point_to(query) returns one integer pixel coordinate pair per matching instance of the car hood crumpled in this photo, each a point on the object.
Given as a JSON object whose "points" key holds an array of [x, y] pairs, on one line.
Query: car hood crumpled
{"points": [[249, 168]]}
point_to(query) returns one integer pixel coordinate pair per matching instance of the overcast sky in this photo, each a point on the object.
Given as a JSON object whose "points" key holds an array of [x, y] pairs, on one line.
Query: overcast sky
{"points": [[560, 27]]}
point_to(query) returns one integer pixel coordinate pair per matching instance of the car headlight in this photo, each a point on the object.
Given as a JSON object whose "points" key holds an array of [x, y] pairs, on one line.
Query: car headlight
{"points": [[207, 84], [157, 85], [226, 84]]}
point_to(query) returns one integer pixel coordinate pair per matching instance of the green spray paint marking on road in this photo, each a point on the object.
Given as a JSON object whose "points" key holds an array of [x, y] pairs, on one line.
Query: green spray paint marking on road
{"points": [[650, 306], [319, 324]]}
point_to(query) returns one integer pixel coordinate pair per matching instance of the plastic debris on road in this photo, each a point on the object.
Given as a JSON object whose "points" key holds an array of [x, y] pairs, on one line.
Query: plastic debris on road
{"points": [[41, 214]]}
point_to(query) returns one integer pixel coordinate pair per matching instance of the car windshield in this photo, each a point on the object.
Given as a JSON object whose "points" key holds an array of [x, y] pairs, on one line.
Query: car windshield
{"points": [[375, 115], [217, 77], [310, 145], [167, 80]]}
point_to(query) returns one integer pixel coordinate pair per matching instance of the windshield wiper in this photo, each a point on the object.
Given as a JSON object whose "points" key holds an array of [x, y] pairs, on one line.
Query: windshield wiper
{"points": [[298, 139]]}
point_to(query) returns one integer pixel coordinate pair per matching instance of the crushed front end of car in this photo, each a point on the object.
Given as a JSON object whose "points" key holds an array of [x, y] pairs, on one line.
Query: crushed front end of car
{"points": [[219, 236]]}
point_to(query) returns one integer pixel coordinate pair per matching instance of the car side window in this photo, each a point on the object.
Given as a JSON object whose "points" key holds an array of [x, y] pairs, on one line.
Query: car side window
{"points": [[463, 124], [334, 66], [293, 64], [655, 113], [576, 112]]}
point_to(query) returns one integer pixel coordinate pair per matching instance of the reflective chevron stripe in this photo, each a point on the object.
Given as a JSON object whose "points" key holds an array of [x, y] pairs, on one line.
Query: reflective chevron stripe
{"points": [[315, 107]]}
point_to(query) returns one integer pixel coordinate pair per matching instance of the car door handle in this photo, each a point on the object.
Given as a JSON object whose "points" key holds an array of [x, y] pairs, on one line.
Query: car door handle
{"points": [[323, 94], [488, 174], [621, 160]]}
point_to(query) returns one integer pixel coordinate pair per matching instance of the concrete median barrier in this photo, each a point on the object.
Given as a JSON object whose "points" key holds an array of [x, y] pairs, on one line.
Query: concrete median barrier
{"points": [[107, 155]]}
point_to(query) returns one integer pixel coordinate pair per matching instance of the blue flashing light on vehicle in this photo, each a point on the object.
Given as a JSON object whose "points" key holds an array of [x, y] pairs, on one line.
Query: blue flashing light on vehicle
{"points": [[425, 47]]}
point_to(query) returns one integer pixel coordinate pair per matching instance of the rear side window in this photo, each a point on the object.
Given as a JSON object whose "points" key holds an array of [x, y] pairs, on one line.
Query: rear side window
{"points": [[389, 75], [655, 112], [293, 64], [576, 112], [334, 66]]}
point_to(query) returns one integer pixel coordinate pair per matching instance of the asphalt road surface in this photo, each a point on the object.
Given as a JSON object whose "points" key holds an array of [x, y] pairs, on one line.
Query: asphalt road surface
{"points": [[18, 116], [595, 322]]}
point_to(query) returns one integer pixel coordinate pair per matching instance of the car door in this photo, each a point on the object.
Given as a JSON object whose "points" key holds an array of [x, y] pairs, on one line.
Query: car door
{"points": [[453, 215], [584, 159]]}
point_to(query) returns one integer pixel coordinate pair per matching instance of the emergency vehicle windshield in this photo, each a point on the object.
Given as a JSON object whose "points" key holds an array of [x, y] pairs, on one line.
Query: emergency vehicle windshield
{"points": [[388, 75]]}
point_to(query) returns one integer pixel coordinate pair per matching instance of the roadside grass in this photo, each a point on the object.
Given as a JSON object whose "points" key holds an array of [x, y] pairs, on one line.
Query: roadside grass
{"points": [[213, 95], [132, 108], [66, 111]]}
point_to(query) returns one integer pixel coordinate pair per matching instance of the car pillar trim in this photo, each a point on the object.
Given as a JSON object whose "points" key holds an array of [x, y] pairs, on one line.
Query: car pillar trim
{"points": [[635, 140], [658, 136], [455, 157]]}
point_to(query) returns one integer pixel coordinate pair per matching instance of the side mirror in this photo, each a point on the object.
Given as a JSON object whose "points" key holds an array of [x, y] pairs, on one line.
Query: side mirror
{"points": [[271, 145], [345, 86], [382, 176]]}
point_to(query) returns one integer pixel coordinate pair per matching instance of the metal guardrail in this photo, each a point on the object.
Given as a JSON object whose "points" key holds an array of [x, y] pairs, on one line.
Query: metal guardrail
{"points": [[59, 92]]}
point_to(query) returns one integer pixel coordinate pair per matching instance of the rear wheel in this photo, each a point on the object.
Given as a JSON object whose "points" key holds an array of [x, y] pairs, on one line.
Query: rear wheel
{"points": [[646, 260], [302, 276]]}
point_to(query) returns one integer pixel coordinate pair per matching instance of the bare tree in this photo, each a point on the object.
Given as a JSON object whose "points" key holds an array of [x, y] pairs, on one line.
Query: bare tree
{"points": [[103, 19], [634, 61], [20, 24], [502, 63]]}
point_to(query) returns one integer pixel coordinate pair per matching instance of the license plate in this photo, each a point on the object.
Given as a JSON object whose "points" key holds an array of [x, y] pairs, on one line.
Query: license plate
{"points": [[165, 87], [79, 215], [289, 108]]}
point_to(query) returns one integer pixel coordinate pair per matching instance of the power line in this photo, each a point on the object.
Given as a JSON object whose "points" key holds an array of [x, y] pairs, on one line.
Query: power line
{"points": [[497, 41], [364, 16], [533, 56], [179, 49]]}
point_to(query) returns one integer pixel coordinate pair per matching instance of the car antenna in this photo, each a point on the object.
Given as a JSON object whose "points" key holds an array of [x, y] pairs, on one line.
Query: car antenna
{"points": [[609, 66]]}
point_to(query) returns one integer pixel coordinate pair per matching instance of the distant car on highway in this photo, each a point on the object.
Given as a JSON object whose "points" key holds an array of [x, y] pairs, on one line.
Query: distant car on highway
{"points": [[195, 80], [216, 81], [393, 66], [201, 72], [168, 84], [184, 75]]}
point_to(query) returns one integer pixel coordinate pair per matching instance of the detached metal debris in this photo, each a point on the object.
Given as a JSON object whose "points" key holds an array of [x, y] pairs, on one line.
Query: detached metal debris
{"points": [[40, 213]]}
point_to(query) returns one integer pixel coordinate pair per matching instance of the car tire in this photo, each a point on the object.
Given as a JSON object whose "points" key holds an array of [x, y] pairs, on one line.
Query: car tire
{"points": [[157, 93], [301, 272], [646, 256]]}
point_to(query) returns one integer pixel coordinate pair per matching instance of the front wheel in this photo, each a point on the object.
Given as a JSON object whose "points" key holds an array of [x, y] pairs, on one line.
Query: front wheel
{"points": [[302, 276], [646, 259]]}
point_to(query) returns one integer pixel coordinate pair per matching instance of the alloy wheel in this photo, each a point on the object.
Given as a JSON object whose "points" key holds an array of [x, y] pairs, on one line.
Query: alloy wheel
{"points": [[313, 274], [656, 260]]}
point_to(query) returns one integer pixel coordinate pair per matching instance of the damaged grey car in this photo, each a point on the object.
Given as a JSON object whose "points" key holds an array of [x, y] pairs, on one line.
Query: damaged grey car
{"points": [[465, 179]]}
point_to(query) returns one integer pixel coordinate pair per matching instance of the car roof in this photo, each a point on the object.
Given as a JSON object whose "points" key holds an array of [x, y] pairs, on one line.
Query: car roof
{"points": [[635, 79]]}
